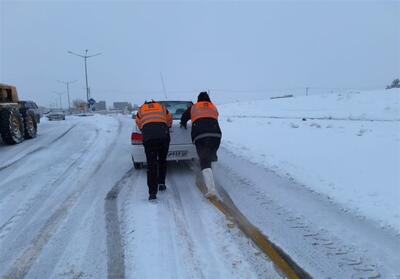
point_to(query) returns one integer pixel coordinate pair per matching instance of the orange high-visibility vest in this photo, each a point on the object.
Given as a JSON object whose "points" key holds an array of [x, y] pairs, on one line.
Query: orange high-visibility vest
{"points": [[152, 113], [203, 110]]}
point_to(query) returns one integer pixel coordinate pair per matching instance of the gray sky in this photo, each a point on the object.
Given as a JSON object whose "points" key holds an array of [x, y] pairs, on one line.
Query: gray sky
{"points": [[236, 49]]}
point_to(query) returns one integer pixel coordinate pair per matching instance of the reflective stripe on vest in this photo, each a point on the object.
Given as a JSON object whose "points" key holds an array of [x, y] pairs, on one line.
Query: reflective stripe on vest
{"points": [[152, 113], [203, 110]]}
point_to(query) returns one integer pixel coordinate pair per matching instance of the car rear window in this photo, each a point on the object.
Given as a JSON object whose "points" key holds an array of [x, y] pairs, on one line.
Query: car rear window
{"points": [[177, 108]]}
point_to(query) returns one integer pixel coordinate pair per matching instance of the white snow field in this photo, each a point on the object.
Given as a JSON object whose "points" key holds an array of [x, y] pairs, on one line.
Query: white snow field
{"points": [[72, 207], [326, 188]]}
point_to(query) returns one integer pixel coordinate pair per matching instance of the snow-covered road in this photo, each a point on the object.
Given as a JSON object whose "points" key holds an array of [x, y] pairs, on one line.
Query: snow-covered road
{"points": [[72, 207]]}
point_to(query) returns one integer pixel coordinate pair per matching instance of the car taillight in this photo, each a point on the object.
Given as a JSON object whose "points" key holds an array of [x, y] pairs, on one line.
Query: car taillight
{"points": [[136, 138]]}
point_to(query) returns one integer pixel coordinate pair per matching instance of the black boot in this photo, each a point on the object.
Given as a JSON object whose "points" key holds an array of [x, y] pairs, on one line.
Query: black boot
{"points": [[162, 187], [152, 197]]}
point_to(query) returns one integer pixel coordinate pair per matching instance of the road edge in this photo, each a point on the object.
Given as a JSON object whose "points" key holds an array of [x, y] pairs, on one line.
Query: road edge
{"points": [[282, 260]]}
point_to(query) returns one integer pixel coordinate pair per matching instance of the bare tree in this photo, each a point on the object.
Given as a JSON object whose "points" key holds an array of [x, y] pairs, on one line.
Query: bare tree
{"points": [[79, 104], [395, 84]]}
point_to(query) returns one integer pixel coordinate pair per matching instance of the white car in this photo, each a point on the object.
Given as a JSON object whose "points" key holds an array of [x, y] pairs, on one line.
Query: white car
{"points": [[56, 115], [181, 147]]}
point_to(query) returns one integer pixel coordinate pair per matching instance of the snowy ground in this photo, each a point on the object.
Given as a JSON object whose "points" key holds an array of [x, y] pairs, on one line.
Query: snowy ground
{"points": [[325, 190], [334, 177], [72, 207]]}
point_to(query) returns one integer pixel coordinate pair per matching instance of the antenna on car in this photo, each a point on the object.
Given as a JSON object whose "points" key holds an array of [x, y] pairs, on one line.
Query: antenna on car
{"points": [[163, 86]]}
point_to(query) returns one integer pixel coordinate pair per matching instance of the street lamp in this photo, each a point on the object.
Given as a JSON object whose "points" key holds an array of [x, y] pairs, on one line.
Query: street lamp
{"points": [[67, 83], [85, 57]]}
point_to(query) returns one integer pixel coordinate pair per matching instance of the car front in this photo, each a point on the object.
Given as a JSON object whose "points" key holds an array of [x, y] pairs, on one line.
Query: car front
{"points": [[56, 115]]}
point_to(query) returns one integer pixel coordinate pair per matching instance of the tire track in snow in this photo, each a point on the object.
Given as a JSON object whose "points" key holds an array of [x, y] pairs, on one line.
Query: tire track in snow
{"points": [[9, 186], [273, 252], [215, 250], [115, 251], [178, 212], [175, 255], [7, 165], [35, 203], [348, 259], [22, 265]]}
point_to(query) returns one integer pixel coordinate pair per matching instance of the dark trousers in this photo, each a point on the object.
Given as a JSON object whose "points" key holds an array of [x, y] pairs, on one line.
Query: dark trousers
{"points": [[156, 154], [207, 151]]}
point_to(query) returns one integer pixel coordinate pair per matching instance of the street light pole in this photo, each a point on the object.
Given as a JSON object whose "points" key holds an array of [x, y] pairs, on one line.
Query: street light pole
{"points": [[67, 83], [86, 78], [85, 57]]}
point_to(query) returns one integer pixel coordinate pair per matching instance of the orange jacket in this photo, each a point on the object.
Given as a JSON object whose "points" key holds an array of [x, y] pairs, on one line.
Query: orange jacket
{"points": [[203, 110], [153, 113]]}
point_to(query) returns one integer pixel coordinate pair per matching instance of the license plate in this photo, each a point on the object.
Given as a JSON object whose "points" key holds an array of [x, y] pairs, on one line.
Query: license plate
{"points": [[177, 153]]}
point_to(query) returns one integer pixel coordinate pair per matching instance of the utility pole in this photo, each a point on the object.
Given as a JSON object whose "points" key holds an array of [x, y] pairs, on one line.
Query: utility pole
{"points": [[85, 57], [306, 91], [67, 83], [59, 95]]}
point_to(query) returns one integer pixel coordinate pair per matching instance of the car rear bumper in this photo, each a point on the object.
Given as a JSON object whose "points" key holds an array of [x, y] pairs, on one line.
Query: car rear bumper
{"points": [[176, 152]]}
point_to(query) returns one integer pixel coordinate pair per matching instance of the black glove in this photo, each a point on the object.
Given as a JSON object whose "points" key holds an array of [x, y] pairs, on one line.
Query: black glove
{"points": [[183, 125]]}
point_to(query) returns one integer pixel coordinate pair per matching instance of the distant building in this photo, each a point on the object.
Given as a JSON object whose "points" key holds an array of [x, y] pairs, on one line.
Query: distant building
{"points": [[100, 105], [123, 106]]}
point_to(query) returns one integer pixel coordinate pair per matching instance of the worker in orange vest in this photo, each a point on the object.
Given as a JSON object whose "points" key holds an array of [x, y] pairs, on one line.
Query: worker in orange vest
{"points": [[206, 135], [154, 120]]}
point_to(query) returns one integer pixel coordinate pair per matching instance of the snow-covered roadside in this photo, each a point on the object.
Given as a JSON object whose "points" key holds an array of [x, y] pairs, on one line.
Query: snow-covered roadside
{"points": [[368, 105], [319, 236], [354, 163]]}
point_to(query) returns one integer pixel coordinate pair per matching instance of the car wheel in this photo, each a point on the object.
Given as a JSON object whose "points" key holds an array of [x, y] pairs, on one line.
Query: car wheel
{"points": [[136, 165]]}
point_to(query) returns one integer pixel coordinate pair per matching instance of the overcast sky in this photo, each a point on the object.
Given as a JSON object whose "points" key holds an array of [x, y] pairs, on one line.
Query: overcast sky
{"points": [[227, 47]]}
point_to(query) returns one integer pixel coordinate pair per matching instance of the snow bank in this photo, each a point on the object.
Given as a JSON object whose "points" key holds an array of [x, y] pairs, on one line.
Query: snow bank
{"points": [[356, 164], [370, 105]]}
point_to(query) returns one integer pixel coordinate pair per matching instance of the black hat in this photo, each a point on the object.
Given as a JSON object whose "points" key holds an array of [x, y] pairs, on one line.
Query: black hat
{"points": [[203, 97]]}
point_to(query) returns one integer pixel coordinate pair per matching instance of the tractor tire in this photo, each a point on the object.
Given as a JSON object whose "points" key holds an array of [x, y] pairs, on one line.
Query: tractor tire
{"points": [[11, 126], [30, 124]]}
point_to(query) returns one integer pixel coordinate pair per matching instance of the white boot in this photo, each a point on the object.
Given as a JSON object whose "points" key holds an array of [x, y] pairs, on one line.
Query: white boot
{"points": [[209, 181]]}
